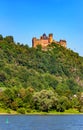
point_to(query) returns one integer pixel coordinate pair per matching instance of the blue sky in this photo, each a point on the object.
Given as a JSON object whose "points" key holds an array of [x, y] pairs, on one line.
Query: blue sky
{"points": [[25, 19]]}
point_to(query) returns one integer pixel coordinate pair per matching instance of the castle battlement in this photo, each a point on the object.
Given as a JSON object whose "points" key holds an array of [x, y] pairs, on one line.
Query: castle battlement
{"points": [[44, 41]]}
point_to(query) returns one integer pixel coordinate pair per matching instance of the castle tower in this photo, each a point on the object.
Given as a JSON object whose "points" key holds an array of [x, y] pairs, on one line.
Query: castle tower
{"points": [[33, 41], [50, 38]]}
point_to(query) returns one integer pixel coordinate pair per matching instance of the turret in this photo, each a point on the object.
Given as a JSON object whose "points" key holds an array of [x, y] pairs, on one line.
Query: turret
{"points": [[50, 39], [33, 41]]}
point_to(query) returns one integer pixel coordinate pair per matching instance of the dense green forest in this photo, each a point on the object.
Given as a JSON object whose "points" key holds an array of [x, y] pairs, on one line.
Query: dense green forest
{"points": [[41, 80]]}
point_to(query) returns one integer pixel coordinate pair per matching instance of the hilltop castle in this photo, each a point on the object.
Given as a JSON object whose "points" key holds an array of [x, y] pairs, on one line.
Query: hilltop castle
{"points": [[44, 41]]}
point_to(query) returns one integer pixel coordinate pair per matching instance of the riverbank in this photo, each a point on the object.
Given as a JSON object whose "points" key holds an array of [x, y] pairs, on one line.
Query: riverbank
{"points": [[34, 112], [67, 112]]}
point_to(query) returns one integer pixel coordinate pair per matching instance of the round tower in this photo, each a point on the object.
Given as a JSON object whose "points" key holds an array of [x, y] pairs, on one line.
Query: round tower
{"points": [[33, 41], [50, 38]]}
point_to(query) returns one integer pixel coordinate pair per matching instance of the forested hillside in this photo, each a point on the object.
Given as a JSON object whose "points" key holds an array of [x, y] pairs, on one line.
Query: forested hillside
{"points": [[44, 80]]}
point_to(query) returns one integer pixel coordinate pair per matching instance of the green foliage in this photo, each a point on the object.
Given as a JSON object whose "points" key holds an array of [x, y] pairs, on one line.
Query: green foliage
{"points": [[44, 100], [75, 102], [80, 97], [63, 104], [62, 88], [9, 39], [1, 37], [35, 78], [21, 110], [73, 86], [2, 76]]}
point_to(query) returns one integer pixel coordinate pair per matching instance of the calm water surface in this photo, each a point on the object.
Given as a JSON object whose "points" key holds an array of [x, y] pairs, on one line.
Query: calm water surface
{"points": [[36, 122]]}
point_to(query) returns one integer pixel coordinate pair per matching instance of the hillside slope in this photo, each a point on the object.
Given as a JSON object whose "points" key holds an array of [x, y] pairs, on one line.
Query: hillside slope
{"points": [[44, 80], [30, 67]]}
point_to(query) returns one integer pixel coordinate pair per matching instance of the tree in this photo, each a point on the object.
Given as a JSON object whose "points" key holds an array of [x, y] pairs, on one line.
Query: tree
{"points": [[51, 80], [62, 88], [80, 97], [39, 47], [1, 37], [8, 97], [9, 39], [63, 104], [75, 102], [21, 110], [45, 100], [2, 76], [73, 86]]}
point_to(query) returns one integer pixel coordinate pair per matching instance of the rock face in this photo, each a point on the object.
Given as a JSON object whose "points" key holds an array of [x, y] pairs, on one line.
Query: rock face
{"points": [[44, 41]]}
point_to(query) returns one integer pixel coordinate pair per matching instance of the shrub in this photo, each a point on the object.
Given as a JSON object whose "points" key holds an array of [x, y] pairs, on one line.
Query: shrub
{"points": [[21, 110]]}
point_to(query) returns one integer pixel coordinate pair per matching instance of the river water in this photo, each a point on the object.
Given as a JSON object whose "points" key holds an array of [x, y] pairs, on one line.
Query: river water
{"points": [[37, 122]]}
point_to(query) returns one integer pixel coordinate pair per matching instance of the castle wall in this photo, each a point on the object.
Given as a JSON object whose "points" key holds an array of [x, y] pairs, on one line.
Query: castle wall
{"points": [[44, 43], [62, 43], [41, 42], [35, 42]]}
